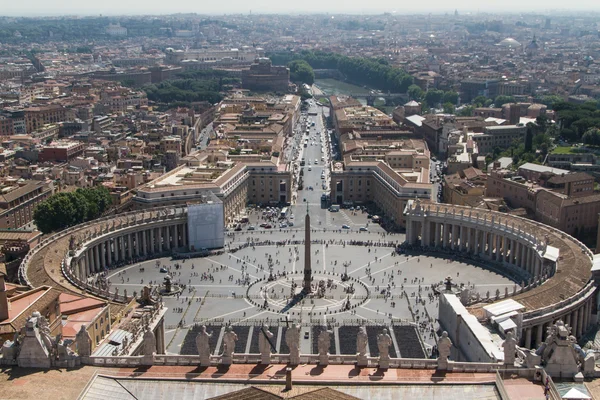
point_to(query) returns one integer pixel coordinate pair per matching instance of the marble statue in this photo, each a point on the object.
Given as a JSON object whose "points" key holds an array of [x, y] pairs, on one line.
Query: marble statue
{"points": [[384, 341], [44, 331], [444, 346], [361, 347], [510, 349], [149, 343], [292, 339], [229, 339], [203, 346], [361, 341], [324, 342], [84, 342], [264, 344]]}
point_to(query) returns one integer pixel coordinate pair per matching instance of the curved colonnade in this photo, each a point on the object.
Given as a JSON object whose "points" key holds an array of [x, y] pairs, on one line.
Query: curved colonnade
{"points": [[81, 251], [555, 267]]}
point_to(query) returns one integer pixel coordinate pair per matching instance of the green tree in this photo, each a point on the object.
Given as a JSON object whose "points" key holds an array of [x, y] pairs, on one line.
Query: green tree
{"points": [[450, 97], [62, 210], [434, 97], [499, 101], [592, 137], [550, 100], [529, 138], [479, 101], [466, 111], [415, 93], [301, 72], [448, 108], [54, 213]]}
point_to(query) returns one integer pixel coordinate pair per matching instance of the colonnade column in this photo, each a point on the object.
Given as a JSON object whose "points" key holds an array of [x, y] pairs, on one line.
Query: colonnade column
{"points": [[109, 252], [129, 246], [538, 336], [152, 242], [446, 235], [453, 237], [122, 245], [586, 318], [90, 256], [527, 338], [145, 242]]}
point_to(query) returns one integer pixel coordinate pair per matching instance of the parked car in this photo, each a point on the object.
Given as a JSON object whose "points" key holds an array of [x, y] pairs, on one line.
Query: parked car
{"points": [[345, 227], [251, 228], [363, 229], [163, 270]]}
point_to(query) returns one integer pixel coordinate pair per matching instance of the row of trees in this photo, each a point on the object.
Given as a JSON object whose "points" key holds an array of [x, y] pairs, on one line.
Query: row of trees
{"points": [[62, 210], [373, 72], [432, 97]]}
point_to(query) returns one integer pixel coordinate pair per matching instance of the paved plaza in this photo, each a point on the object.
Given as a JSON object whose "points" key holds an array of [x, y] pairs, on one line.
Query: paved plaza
{"points": [[388, 288]]}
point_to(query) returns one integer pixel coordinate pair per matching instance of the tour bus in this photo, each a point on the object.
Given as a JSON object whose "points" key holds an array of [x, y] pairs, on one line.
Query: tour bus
{"points": [[284, 213], [305, 142]]}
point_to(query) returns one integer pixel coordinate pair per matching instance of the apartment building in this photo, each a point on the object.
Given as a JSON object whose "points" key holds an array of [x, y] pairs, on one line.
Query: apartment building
{"points": [[61, 151], [36, 117], [19, 200], [498, 136]]}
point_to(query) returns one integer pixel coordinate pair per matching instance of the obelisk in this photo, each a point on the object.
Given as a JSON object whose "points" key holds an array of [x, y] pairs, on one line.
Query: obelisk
{"points": [[307, 266]]}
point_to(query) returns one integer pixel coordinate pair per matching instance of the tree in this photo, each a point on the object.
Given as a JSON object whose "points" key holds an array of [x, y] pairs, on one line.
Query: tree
{"points": [[448, 108], [450, 97], [301, 72], [415, 93], [499, 101], [466, 111], [550, 100], [592, 137], [62, 210], [479, 101], [434, 97], [529, 138]]}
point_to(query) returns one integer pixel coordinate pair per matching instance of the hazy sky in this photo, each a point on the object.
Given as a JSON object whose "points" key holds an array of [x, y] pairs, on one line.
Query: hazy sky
{"points": [[119, 7]]}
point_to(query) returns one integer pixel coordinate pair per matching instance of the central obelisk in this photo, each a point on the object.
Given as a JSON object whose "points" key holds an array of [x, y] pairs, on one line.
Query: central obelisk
{"points": [[307, 265]]}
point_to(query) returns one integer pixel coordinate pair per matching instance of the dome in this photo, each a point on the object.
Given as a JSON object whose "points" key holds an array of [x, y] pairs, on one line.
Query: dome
{"points": [[509, 42]]}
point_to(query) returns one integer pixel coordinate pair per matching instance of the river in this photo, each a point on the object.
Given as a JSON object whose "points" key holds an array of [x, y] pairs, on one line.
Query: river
{"points": [[335, 87]]}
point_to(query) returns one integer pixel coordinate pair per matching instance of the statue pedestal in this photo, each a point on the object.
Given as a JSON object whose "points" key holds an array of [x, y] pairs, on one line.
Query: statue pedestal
{"points": [[265, 359], [384, 362], [324, 359], [147, 360], [444, 365], [226, 360], [361, 361], [294, 359], [205, 361]]}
